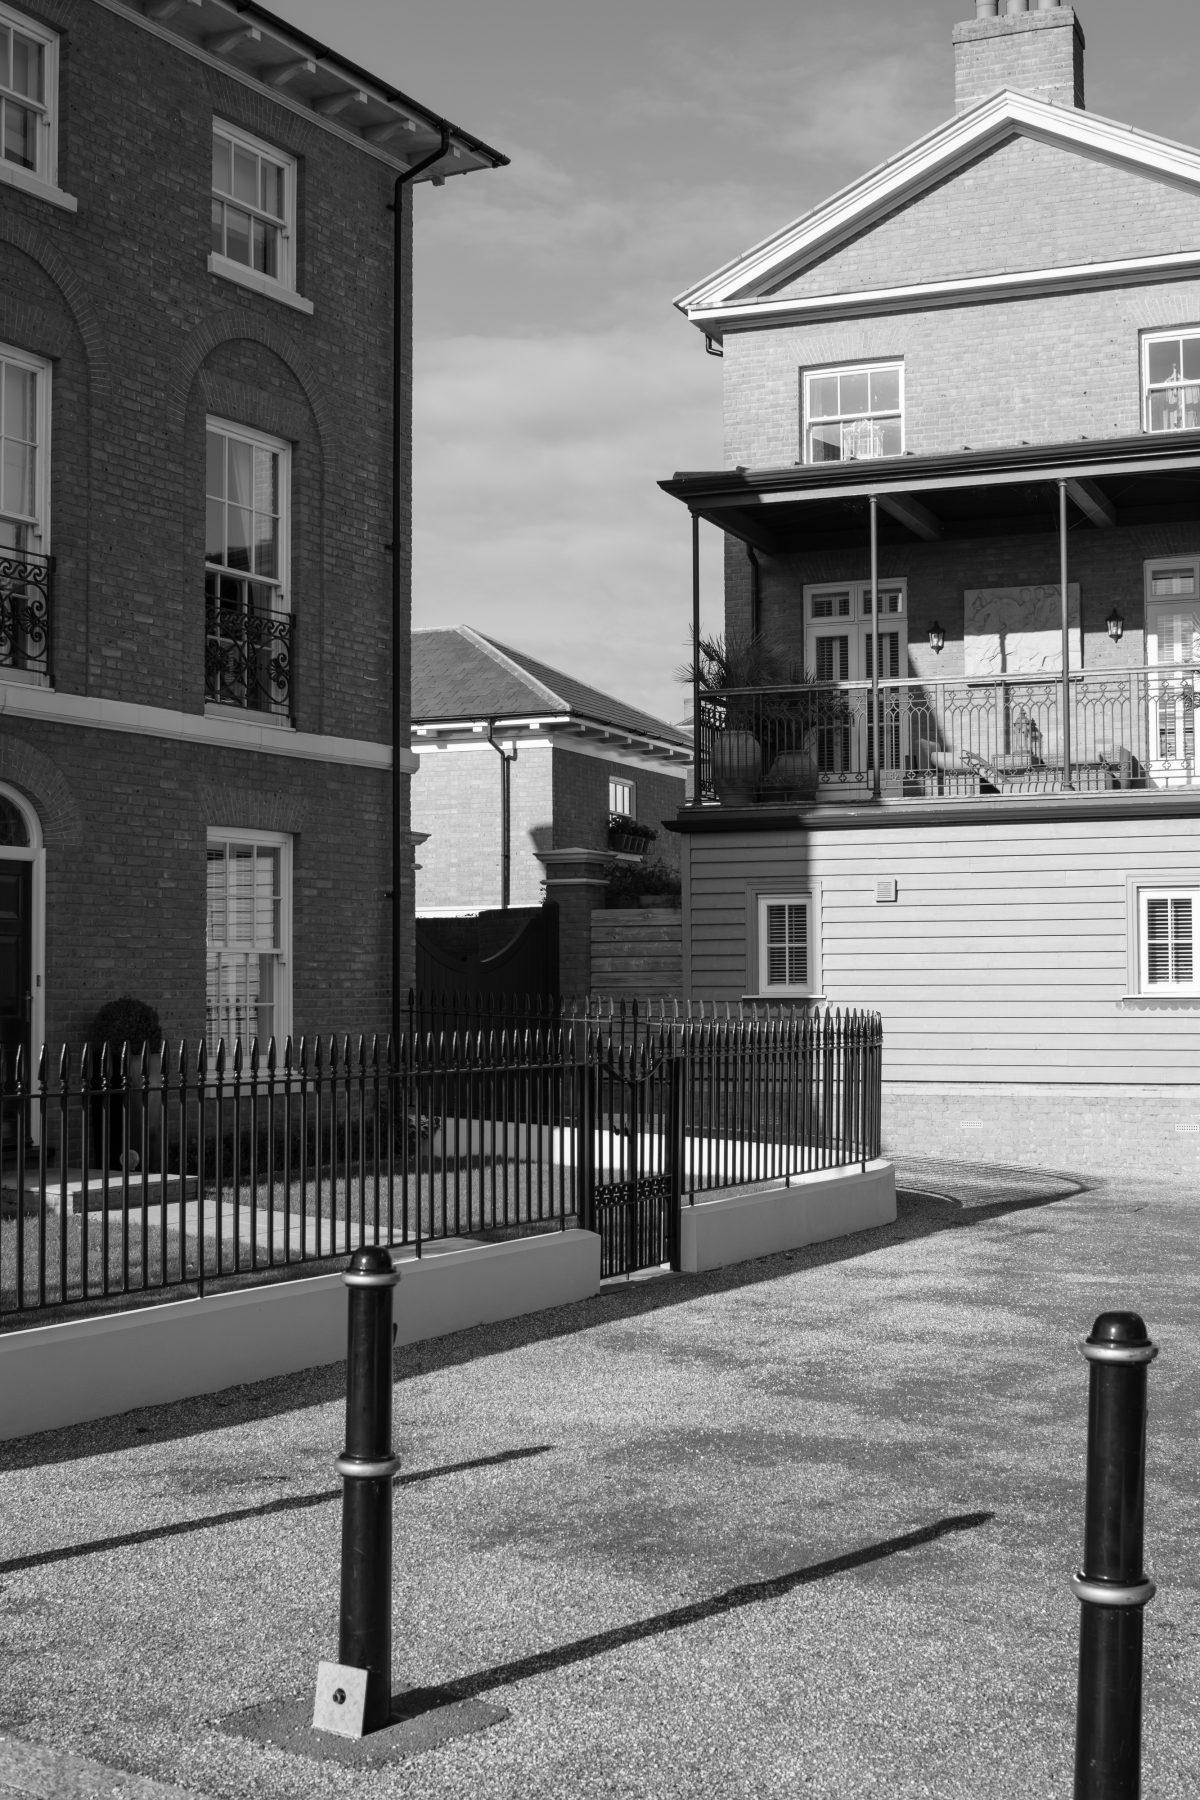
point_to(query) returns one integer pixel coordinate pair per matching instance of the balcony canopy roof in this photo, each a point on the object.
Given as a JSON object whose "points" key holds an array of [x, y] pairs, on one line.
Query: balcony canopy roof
{"points": [[973, 493]]}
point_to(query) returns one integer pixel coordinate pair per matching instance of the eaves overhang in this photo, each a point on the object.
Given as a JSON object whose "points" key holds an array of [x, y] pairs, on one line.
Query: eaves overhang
{"points": [[760, 505], [265, 52], [564, 729]]}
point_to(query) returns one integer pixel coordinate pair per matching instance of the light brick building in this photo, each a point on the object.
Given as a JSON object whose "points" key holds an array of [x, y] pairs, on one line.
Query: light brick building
{"points": [[204, 533], [522, 768], [962, 410]]}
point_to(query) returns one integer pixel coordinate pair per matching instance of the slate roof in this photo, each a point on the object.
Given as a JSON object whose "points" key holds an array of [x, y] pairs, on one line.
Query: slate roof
{"points": [[460, 674]]}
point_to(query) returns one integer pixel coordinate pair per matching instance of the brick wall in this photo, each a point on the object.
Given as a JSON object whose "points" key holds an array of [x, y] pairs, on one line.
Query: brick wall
{"points": [[1107, 565], [1046, 206], [145, 343], [126, 838], [1019, 371], [1038, 53], [456, 798], [581, 803]]}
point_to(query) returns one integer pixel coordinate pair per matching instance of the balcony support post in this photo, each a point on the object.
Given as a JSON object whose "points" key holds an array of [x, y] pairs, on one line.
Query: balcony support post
{"points": [[1066, 635], [876, 733], [697, 786]]}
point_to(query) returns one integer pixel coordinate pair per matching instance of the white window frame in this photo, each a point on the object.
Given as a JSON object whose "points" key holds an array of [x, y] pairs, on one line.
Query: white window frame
{"points": [[280, 585], [281, 286], [1149, 339], [42, 179], [219, 837], [616, 785], [759, 901], [872, 367], [39, 525]]}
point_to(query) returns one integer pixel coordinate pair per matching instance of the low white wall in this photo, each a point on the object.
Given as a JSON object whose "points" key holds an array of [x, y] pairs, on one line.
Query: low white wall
{"points": [[55, 1375], [831, 1204]]}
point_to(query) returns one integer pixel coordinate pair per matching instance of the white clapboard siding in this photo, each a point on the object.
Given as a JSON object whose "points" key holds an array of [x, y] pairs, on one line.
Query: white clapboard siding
{"points": [[1004, 958]]}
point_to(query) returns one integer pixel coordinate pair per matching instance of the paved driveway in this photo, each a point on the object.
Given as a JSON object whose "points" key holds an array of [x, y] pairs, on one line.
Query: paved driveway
{"points": [[801, 1527]]}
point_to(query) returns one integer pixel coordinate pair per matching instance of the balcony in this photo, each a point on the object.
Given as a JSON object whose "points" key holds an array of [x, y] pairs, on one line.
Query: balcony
{"points": [[961, 739], [25, 592], [248, 649]]}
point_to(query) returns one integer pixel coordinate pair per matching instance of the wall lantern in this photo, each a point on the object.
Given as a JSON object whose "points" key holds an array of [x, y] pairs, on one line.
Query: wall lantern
{"points": [[937, 638], [1116, 626]]}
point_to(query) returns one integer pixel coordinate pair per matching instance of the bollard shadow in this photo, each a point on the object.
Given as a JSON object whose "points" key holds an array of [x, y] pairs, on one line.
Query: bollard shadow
{"points": [[965, 1196], [415, 1701], [292, 1503]]}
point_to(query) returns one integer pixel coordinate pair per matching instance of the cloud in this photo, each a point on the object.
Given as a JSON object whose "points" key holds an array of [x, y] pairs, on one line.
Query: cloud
{"points": [[537, 512]]}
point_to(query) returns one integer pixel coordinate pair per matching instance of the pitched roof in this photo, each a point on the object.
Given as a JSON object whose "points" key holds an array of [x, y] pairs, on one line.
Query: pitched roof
{"points": [[745, 285], [460, 674]]}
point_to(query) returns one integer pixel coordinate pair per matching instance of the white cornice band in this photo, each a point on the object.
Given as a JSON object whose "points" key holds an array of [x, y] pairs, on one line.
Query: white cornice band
{"points": [[21, 701], [1022, 284]]}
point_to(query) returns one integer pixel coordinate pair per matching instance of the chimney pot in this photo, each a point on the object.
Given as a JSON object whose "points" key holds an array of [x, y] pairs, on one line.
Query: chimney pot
{"points": [[986, 9], [1017, 6], [1048, 5]]}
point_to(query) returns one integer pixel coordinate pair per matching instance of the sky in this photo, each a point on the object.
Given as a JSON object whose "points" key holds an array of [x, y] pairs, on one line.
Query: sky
{"points": [[650, 141]]}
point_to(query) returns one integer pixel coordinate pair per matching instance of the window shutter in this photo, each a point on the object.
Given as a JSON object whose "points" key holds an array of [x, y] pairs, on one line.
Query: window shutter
{"points": [[1181, 940], [787, 943]]}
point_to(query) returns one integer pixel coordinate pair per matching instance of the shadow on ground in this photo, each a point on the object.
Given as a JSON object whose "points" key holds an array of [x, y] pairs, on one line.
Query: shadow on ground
{"points": [[932, 1197]]}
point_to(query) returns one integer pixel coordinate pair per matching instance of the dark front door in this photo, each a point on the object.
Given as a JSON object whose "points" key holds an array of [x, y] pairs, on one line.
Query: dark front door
{"points": [[15, 960]]}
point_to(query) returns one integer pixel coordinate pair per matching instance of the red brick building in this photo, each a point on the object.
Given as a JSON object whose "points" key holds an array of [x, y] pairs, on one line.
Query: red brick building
{"points": [[962, 403], [204, 532], [522, 768]]}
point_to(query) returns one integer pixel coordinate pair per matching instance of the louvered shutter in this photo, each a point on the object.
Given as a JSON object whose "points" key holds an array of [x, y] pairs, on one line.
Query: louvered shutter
{"points": [[786, 943]]}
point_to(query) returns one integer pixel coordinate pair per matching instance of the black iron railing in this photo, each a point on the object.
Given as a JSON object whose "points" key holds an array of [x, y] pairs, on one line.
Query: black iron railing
{"points": [[1130, 728], [181, 1170], [25, 593], [249, 648]]}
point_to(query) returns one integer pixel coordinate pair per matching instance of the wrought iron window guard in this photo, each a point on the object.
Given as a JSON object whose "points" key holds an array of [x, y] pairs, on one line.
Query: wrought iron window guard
{"points": [[25, 594], [248, 653]]}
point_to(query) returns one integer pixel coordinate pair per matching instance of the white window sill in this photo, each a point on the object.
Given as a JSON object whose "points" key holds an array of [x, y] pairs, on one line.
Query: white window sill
{"points": [[786, 994], [1159, 1002], [37, 185], [261, 284], [26, 677]]}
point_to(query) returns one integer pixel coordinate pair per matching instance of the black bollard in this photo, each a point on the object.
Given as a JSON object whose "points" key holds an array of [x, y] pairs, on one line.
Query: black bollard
{"points": [[1112, 1585], [367, 1468]]}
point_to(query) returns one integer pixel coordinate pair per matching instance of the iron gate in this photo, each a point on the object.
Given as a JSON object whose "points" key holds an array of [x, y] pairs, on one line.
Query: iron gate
{"points": [[630, 1118]]}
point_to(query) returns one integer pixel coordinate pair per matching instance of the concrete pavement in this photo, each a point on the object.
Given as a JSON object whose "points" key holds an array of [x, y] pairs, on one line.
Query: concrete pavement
{"points": [[804, 1526]]}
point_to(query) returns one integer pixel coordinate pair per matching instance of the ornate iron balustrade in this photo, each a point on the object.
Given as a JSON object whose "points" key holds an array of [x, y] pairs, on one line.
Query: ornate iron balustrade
{"points": [[1132, 728], [25, 590], [248, 652]]}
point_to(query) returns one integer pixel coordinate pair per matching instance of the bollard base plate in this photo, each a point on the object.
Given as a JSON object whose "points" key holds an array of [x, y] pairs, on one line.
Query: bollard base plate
{"points": [[422, 1718]]}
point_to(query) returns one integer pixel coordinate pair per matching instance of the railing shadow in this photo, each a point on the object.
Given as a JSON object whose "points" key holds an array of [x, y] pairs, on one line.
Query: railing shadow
{"points": [[920, 1214]]}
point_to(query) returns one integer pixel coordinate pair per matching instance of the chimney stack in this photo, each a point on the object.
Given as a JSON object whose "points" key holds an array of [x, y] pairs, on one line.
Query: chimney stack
{"points": [[1033, 46]]}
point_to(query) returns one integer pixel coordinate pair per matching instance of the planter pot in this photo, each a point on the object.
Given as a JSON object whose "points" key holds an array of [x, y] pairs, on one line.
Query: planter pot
{"points": [[795, 774], [629, 843], [736, 766]]}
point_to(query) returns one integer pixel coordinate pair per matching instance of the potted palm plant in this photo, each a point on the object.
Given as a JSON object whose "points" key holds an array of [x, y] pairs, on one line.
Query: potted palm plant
{"points": [[769, 731]]}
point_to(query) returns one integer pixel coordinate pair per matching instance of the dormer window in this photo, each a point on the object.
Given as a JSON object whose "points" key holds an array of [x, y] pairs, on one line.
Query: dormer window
{"points": [[854, 414], [1171, 381]]}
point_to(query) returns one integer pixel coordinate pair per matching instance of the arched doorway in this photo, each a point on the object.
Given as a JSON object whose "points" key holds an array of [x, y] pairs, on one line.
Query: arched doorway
{"points": [[22, 1002]]}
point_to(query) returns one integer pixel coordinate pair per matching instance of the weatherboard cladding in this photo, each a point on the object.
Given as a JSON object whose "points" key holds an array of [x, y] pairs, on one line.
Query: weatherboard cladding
{"points": [[460, 674], [1023, 204], [1004, 959]]}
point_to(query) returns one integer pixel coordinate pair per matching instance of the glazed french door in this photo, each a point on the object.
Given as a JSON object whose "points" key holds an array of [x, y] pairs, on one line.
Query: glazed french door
{"points": [[1173, 664], [840, 645]]}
